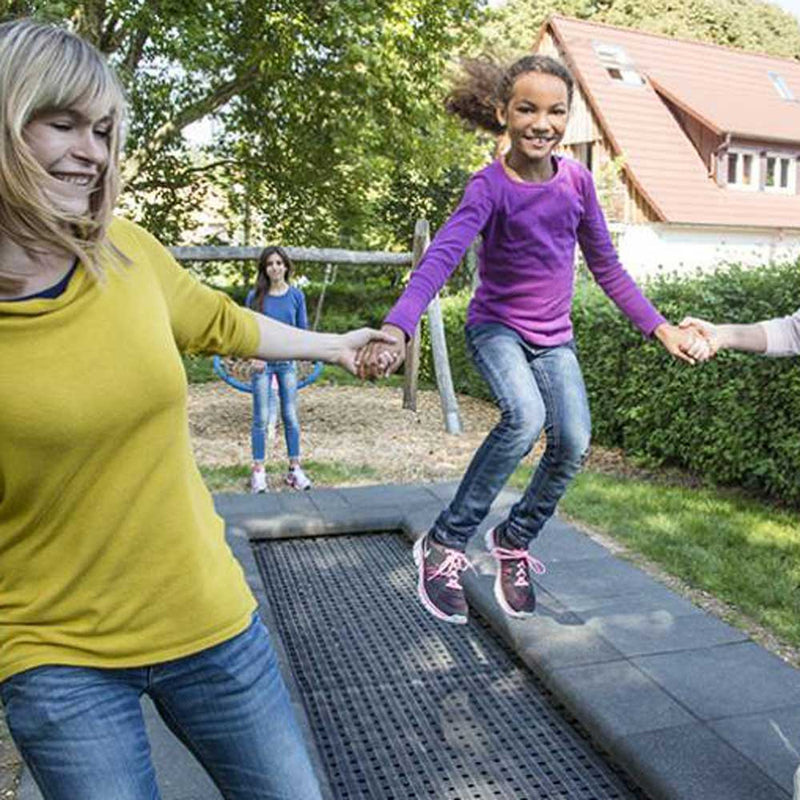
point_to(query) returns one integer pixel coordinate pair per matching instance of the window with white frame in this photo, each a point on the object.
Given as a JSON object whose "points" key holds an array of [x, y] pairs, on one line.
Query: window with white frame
{"points": [[617, 64], [743, 169], [781, 87], [780, 173]]}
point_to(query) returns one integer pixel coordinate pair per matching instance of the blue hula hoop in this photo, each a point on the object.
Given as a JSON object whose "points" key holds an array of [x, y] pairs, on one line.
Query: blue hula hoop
{"points": [[219, 369]]}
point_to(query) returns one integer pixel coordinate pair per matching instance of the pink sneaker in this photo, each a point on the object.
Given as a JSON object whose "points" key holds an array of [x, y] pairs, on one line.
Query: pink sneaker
{"points": [[297, 479], [258, 481], [513, 588], [439, 579]]}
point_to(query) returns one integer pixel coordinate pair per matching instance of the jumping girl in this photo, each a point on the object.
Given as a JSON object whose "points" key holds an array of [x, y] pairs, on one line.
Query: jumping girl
{"points": [[531, 208], [115, 576], [276, 298]]}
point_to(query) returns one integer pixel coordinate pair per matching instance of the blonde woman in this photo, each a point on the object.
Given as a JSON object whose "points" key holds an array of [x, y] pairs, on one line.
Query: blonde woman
{"points": [[115, 577]]}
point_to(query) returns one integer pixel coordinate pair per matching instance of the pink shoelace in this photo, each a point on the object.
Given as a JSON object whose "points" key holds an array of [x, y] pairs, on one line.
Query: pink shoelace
{"points": [[451, 568], [526, 562]]}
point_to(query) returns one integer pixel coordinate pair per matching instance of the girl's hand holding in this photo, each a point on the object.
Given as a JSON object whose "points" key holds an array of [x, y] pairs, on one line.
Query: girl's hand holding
{"points": [[256, 365], [355, 343], [381, 359], [683, 343], [706, 329]]}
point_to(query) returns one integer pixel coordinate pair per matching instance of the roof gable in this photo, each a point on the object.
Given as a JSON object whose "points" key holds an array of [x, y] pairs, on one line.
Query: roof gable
{"points": [[729, 90]]}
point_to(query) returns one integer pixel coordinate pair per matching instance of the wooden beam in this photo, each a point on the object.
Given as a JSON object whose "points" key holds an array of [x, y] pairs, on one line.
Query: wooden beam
{"points": [[325, 255]]}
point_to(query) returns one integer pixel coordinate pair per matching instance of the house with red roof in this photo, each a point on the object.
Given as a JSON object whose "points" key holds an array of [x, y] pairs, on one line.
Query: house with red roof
{"points": [[695, 148]]}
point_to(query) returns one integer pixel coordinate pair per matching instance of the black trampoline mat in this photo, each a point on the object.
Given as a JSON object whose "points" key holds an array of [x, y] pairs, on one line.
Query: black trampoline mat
{"points": [[404, 706]]}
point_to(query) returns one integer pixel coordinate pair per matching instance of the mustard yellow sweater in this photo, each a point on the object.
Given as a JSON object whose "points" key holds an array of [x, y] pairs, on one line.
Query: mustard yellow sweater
{"points": [[111, 554]]}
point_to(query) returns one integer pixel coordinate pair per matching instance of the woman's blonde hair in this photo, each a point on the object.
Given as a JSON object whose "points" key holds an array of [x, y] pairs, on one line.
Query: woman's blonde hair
{"points": [[44, 68]]}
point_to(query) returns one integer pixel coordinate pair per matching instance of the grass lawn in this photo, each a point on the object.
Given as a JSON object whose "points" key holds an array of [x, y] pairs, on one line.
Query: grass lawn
{"points": [[742, 551], [323, 473]]}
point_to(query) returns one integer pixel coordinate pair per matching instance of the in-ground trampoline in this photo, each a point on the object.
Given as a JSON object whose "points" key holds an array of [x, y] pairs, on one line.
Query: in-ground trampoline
{"points": [[401, 705], [395, 704]]}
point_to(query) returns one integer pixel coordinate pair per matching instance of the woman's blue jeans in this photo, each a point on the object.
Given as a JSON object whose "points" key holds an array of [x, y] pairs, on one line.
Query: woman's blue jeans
{"points": [[82, 734], [535, 388], [263, 402]]}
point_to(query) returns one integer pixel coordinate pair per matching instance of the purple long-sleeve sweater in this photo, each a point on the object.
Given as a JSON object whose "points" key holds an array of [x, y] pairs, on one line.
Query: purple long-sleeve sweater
{"points": [[526, 261]]}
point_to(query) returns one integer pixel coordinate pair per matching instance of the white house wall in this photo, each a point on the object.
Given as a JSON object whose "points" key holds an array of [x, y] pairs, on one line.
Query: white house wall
{"points": [[647, 250]]}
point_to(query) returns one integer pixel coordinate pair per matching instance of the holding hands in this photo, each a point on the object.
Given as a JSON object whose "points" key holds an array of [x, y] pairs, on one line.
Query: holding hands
{"points": [[371, 355], [379, 347], [707, 330], [690, 343], [381, 358]]}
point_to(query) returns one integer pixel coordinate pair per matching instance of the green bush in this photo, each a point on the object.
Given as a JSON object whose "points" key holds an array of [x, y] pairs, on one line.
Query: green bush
{"points": [[735, 420]]}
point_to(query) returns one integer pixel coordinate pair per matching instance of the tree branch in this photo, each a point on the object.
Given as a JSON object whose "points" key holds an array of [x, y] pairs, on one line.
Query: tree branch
{"points": [[149, 184], [88, 20], [193, 112], [137, 41]]}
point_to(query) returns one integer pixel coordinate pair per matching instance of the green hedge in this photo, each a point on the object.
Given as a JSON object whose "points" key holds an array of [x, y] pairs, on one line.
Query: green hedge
{"points": [[734, 420]]}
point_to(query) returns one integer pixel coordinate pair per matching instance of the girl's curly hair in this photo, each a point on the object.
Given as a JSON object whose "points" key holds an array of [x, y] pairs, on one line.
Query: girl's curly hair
{"points": [[484, 85]]}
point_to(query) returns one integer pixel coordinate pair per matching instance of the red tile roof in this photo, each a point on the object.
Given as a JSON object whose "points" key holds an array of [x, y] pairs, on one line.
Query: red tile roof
{"points": [[729, 89]]}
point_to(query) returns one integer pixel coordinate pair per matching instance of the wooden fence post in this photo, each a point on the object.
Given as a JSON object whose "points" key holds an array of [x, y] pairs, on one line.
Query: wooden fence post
{"points": [[422, 238], [441, 364]]}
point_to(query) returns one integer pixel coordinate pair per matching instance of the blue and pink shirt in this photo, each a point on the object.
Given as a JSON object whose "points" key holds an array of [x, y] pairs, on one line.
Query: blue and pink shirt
{"points": [[526, 262]]}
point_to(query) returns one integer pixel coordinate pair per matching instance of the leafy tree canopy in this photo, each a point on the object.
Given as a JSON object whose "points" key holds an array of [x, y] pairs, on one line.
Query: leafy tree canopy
{"points": [[328, 126], [746, 24], [321, 107]]}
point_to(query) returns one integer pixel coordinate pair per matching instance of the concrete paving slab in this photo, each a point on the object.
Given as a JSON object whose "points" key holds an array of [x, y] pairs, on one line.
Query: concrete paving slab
{"points": [[656, 599], [390, 495], [615, 699], [638, 632], [771, 740], [725, 681], [574, 582], [692, 763], [325, 500], [560, 542], [552, 639], [444, 491]]}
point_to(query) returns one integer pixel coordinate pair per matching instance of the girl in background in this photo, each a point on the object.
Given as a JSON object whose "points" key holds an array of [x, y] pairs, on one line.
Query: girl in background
{"points": [[276, 298], [531, 208]]}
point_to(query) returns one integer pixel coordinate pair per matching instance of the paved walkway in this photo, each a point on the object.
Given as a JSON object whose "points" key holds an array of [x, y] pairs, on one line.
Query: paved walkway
{"points": [[690, 706]]}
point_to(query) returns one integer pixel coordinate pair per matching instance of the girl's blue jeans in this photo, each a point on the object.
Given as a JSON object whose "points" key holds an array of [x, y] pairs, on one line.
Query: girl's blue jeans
{"points": [[263, 403], [82, 734], [535, 388]]}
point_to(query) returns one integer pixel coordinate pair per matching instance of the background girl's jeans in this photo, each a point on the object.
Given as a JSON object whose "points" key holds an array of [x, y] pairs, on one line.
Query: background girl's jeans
{"points": [[534, 387], [286, 373], [82, 734]]}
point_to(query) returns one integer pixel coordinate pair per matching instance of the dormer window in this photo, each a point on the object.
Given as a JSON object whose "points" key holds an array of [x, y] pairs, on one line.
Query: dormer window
{"points": [[617, 64], [780, 174], [743, 169], [781, 87]]}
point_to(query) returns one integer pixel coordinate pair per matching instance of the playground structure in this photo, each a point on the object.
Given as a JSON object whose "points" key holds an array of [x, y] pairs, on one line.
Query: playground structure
{"points": [[332, 256]]}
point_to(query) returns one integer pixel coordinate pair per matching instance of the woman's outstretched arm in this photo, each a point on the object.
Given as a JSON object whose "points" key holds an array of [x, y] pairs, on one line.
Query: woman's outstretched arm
{"points": [[278, 342]]}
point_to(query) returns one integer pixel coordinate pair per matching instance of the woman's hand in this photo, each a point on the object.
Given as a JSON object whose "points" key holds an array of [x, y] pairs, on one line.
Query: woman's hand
{"points": [[354, 343], [706, 329], [381, 359], [684, 343]]}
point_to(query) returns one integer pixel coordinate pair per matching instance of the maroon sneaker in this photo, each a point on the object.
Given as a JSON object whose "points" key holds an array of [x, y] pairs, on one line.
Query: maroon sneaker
{"points": [[513, 588], [439, 585]]}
